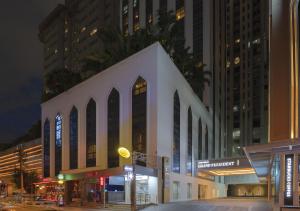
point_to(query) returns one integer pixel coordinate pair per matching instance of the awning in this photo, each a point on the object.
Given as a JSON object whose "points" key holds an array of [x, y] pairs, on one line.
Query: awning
{"points": [[261, 156]]}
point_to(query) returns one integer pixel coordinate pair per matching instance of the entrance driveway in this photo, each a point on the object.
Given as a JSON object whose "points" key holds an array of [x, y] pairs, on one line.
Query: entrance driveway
{"points": [[216, 205]]}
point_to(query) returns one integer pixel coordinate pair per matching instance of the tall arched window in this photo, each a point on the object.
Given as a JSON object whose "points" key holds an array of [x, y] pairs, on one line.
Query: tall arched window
{"points": [[74, 138], [176, 134], [46, 149], [206, 142], [199, 139], [139, 116], [91, 134], [113, 128], [190, 143], [58, 143]]}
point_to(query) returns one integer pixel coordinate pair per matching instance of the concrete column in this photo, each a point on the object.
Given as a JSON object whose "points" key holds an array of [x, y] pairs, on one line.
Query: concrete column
{"points": [[125, 122], [269, 180], [172, 5], [52, 147], [195, 144], [183, 137], [142, 13], [155, 10], [101, 133], [188, 22], [282, 180], [82, 137], [130, 16], [65, 141]]}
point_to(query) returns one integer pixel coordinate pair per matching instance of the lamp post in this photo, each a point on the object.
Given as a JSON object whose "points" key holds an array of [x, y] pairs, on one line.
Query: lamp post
{"points": [[125, 153]]}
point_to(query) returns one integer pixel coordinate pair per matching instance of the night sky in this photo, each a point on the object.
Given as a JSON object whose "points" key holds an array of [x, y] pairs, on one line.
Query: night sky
{"points": [[21, 59]]}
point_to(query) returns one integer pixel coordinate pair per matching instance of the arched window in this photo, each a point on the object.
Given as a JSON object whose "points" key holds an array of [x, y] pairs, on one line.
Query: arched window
{"points": [[176, 134], [199, 139], [113, 128], [190, 143], [46, 149], [58, 143], [91, 134], [74, 138], [139, 116], [206, 143]]}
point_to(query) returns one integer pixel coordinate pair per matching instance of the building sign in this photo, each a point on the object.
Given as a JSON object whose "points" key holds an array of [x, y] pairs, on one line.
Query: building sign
{"points": [[207, 164], [288, 195]]}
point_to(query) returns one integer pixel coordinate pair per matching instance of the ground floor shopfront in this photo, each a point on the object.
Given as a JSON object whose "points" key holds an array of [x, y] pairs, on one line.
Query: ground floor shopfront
{"points": [[116, 185]]}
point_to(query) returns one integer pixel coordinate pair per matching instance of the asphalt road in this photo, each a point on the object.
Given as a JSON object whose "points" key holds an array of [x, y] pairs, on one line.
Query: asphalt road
{"points": [[207, 205]]}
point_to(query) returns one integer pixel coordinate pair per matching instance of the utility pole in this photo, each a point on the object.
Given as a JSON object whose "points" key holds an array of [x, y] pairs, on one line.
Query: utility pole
{"points": [[21, 158]]}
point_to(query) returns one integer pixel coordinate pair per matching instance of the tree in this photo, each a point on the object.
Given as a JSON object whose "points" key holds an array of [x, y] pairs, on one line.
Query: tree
{"points": [[58, 81], [118, 46], [29, 179], [168, 32]]}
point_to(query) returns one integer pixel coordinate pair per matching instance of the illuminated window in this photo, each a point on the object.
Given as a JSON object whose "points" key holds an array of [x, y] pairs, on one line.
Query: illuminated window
{"points": [[180, 13], [91, 134], [113, 136], [176, 134], [46, 149], [227, 64], [237, 60], [94, 31], [66, 30], [83, 29], [55, 51], [73, 138], [139, 116], [58, 144]]}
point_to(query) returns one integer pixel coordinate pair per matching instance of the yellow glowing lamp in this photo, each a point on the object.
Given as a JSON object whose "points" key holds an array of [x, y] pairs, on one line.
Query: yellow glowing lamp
{"points": [[60, 182], [123, 152]]}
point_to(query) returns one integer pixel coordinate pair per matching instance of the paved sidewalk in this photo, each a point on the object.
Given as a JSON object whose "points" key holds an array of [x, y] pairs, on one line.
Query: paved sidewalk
{"points": [[216, 205]]}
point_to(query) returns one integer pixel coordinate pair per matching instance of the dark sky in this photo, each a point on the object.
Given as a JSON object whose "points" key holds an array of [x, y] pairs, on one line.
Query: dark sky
{"points": [[21, 59]]}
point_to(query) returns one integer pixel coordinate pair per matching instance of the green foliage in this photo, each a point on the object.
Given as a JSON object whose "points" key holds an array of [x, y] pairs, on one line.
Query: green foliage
{"points": [[29, 179], [117, 46], [58, 81]]}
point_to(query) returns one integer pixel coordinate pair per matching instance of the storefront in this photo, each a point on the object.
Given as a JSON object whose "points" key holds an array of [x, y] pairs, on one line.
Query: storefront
{"points": [[49, 190], [116, 183]]}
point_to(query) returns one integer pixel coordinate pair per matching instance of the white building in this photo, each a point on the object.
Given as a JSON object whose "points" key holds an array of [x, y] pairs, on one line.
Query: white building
{"points": [[131, 104]]}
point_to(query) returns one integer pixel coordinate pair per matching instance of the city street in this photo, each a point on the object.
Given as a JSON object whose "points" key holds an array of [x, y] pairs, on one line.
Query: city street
{"points": [[207, 205]]}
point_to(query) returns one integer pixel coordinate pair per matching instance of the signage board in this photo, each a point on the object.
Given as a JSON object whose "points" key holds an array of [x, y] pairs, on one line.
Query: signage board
{"points": [[210, 164], [289, 171]]}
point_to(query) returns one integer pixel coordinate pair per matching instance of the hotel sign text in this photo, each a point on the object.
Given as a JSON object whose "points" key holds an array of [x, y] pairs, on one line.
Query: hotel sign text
{"points": [[288, 196], [215, 164]]}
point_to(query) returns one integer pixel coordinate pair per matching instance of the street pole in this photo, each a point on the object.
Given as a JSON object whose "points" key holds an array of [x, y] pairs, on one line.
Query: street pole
{"points": [[104, 197], [133, 186]]}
